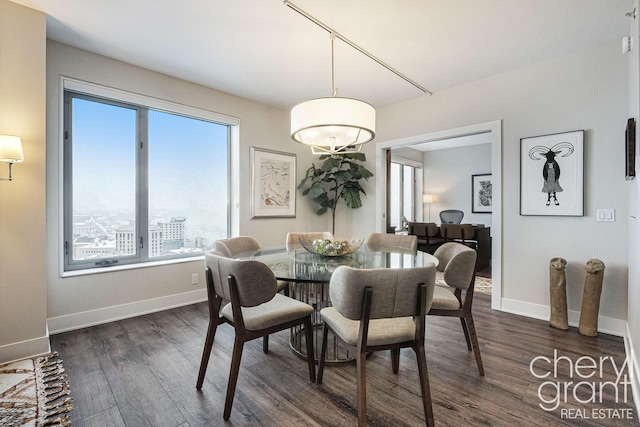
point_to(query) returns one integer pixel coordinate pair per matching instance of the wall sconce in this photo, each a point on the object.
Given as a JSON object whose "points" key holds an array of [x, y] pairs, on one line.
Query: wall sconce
{"points": [[428, 199], [10, 152]]}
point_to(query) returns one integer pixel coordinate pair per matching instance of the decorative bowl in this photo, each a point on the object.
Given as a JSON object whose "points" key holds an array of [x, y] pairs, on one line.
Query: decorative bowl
{"points": [[337, 247]]}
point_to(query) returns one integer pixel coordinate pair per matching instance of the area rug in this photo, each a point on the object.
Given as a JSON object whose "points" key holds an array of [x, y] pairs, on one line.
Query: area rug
{"points": [[34, 393], [483, 285]]}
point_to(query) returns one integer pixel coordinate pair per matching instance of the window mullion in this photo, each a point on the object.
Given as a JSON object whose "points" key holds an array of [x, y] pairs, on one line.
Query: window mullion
{"points": [[67, 181], [401, 191], [144, 242]]}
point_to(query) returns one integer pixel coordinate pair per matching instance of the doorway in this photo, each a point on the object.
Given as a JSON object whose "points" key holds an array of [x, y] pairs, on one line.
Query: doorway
{"points": [[494, 130]]}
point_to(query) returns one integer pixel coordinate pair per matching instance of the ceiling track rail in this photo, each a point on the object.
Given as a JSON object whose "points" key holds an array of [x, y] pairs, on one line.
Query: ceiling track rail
{"points": [[355, 46]]}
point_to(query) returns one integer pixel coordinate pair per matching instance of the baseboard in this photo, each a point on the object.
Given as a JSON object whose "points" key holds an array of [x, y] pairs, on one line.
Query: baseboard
{"points": [[70, 322], [606, 325], [25, 349], [634, 369]]}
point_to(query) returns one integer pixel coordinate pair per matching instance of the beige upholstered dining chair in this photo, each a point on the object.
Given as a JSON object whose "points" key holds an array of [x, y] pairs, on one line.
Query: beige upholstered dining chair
{"points": [[380, 309], [235, 245], [293, 237], [244, 244], [383, 241], [243, 294], [456, 275]]}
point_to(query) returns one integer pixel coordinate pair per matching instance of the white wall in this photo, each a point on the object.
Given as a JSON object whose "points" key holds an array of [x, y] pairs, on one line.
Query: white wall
{"points": [[632, 337], [447, 174], [23, 287], [86, 299], [587, 91]]}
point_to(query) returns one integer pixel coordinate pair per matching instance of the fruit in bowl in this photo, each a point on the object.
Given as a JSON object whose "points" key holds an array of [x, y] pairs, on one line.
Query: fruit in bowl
{"points": [[326, 247]]}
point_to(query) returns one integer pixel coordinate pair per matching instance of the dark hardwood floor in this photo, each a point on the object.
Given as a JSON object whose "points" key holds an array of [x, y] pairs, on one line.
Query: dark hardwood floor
{"points": [[143, 371]]}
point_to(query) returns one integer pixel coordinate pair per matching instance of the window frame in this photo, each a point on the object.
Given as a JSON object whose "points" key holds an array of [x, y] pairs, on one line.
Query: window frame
{"points": [[70, 89], [415, 168]]}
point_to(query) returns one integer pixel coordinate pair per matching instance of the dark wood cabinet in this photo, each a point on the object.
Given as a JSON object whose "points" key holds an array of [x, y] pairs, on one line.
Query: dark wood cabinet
{"points": [[483, 237]]}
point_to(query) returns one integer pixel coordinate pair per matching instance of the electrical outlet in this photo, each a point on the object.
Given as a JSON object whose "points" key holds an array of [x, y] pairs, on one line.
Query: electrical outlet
{"points": [[194, 279]]}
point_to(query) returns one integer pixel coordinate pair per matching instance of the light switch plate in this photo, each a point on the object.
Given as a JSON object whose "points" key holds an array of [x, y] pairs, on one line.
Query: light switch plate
{"points": [[605, 215]]}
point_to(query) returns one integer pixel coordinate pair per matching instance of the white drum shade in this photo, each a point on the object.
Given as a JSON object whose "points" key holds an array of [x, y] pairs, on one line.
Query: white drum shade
{"points": [[333, 124]]}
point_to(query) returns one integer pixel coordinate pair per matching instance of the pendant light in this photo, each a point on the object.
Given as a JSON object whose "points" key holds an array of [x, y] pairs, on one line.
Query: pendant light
{"points": [[337, 125], [333, 125]]}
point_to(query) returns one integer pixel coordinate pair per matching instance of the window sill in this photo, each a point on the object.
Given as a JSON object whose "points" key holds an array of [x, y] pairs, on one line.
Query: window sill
{"points": [[101, 270]]}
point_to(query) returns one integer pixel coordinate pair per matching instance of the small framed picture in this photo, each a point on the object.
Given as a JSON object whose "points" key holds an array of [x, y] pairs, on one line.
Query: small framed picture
{"points": [[552, 175], [273, 184], [481, 200]]}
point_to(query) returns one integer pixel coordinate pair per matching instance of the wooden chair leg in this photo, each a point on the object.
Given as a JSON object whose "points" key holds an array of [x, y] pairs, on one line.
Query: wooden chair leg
{"points": [[465, 329], [424, 384], [395, 360], [474, 342], [323, 353], [265, 344], [361, 361], [206, 353], [308, 329], [233, 376]]}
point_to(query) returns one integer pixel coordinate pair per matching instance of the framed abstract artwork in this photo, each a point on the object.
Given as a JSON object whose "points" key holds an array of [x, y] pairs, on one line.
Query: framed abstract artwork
{"points": [[273, 184], [552, 174], [481, 200]]}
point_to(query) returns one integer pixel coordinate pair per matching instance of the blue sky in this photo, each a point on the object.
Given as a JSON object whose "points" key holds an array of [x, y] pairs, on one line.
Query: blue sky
{"points": [[187, 161]]}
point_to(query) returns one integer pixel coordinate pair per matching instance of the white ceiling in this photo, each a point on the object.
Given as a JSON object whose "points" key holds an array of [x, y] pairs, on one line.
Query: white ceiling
{"points": [[262, 50]]}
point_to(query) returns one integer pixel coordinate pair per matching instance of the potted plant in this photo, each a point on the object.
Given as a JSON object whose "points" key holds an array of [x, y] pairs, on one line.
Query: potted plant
{"points": [[337, 178]]}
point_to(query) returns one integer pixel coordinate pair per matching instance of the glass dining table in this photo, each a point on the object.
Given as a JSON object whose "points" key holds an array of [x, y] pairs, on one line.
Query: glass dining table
{"points": [[309, 274]]}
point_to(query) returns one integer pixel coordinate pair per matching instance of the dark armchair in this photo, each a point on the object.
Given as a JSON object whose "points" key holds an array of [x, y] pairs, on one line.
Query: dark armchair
{"points": [[428, 233], [461, 233]]}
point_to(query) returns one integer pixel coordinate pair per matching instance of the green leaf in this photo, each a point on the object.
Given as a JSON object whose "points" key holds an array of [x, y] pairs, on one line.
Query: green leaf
{"points": [[304, 180], [343, 176], [322, 199], [318, 173], [356, 186], [321, 211], [356, 156], [330, 163], [366, 173], [316, 190], [360, 172], [351, 197]]}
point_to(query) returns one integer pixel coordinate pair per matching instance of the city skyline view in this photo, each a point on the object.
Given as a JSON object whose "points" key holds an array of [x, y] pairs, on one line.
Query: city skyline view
{"points": [[185, 171]]}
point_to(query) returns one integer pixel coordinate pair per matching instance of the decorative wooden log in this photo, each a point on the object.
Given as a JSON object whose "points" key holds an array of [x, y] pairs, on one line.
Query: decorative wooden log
{"points": [[558, 293], [591, 298]]}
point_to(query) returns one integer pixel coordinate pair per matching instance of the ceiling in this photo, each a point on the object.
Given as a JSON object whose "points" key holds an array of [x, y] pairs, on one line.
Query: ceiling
{"points": [[267, 52]]}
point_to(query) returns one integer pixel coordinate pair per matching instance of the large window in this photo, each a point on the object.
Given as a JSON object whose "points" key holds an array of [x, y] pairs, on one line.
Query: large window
{"points": [[141, 183]]}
